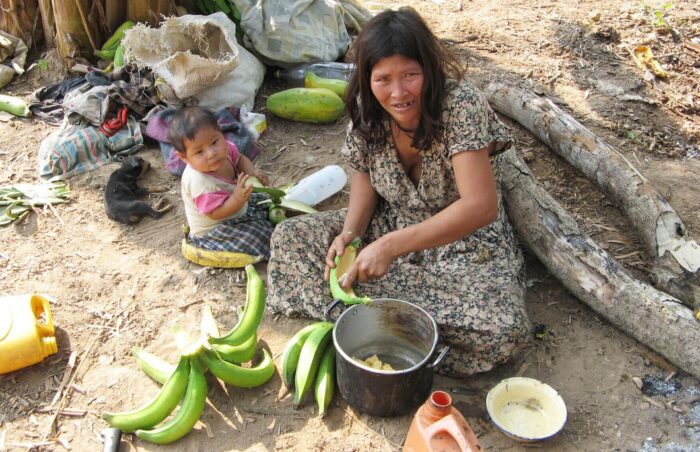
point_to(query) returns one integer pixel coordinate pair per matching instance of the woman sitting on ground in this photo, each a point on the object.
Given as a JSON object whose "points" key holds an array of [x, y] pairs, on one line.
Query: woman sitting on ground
{"points": [[424, 199]]}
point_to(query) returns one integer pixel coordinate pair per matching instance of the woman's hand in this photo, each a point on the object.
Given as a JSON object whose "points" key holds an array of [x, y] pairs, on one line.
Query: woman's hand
{"points": [[337, 248], [372, 262], [243, 190]]}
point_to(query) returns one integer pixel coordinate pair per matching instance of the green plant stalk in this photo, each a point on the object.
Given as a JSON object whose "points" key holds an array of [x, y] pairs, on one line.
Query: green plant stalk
{"points": [[154, 366], [297, 206], [222, 5], [276, 194], [13, 105], [159, 408], [208, 325]]}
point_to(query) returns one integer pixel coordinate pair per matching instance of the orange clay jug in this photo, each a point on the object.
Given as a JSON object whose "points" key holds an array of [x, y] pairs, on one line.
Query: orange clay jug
{"points": [[26, 331], [438, 426]]}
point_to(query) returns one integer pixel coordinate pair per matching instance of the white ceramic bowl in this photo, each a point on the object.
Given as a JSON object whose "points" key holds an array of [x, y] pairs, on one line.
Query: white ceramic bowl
{"points": [[526, 409]]}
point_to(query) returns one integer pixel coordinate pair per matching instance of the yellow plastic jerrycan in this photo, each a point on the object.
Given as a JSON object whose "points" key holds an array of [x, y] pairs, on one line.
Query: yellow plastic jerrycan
{"points": [[26, 331], [438, 426]]}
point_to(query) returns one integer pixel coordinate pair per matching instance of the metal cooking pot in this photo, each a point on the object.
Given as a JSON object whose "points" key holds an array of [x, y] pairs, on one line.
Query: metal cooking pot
{"points": [[402, 335]]}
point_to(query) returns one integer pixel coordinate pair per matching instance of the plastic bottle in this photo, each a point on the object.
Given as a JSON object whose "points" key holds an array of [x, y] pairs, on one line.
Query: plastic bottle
{"points": [[295, 75], [26, 331], [318, 186], [438, 426]]}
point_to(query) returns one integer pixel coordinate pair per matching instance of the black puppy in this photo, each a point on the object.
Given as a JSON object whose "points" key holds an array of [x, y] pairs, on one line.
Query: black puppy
{"points": [[122, 193]]}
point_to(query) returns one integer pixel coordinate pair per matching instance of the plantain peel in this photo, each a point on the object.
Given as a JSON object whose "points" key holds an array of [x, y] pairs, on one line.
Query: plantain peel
{"points": [[342, 265]]}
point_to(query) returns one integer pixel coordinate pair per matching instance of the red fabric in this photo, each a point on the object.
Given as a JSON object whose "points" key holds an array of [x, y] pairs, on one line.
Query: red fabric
{"points": [[113, 125]]}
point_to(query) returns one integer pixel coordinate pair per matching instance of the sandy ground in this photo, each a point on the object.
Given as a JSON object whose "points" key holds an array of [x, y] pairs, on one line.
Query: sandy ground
{"points": [[119, 286]]}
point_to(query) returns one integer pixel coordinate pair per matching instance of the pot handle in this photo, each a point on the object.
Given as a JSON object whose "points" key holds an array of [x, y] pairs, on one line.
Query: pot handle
{"points": [[334, 304], [440, 357]]}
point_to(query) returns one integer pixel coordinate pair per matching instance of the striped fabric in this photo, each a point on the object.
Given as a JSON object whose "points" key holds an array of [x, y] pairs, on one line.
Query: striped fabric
{"points": [[249, 233], [75, 149]]}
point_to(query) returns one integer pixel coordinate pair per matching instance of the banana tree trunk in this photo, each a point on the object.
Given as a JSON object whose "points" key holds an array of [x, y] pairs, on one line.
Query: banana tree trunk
{"points": [[115, 14], [654, 318], [47, 23], [149, 11], [677, 256], [17, 18], [72, 39]]}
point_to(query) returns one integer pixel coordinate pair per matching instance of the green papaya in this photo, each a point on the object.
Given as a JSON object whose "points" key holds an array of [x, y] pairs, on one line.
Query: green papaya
{"points": [[339, 87], [314, 105]]}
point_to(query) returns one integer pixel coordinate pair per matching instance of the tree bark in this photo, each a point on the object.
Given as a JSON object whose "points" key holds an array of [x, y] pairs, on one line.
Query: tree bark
{"points": [[676, 267], [592, 275], [149, 11]]}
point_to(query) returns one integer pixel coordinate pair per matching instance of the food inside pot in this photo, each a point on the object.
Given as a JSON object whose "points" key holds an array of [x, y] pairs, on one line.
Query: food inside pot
{"points": [[375, 363]]}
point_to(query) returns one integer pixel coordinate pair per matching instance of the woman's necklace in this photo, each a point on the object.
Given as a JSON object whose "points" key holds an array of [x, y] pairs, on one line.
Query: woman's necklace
{"points": [[399, 129]]}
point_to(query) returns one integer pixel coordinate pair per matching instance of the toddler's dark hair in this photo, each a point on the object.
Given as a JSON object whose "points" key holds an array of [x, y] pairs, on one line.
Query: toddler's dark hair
{"points": [[187, 122]]}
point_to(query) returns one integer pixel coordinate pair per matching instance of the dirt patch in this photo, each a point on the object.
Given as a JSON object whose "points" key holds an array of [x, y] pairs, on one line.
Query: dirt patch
{"points": [[120, 286]]}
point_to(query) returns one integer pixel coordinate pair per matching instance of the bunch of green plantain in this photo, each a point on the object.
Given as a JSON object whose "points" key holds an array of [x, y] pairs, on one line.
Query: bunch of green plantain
{"points": [[185, 383], [112, 49], [308, 361]]}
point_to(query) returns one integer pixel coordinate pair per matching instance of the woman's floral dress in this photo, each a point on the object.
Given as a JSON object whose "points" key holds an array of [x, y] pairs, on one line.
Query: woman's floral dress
{"points": [[474, 287]]}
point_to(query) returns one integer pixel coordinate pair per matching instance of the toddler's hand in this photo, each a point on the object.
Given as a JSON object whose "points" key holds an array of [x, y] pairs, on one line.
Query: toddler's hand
{"points": [[243, 191], [262, 176]]}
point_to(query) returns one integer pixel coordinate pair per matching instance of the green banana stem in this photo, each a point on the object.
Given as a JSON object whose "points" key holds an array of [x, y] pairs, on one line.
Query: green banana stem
{"points": [[208, 325], [154, 366]]}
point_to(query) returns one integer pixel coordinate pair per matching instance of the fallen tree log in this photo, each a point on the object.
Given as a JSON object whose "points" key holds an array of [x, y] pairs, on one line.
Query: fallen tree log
{"points": [[676, 268], [654, 318]]}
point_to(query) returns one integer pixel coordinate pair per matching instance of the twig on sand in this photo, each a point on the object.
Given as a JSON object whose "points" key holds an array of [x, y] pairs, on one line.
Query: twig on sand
{"points": [[273, 412], [51, 430]]}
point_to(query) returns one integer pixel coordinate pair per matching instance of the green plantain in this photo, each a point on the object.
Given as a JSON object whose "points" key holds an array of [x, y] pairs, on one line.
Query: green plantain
{"points": [[242, 377], [252, 315], [290, 355], [324, 386], [193, 404], [309, 359], [159, 408]]}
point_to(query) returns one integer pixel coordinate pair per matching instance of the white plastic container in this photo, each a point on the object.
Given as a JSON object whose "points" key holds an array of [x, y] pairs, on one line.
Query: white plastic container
{"points": [[318, 186]]}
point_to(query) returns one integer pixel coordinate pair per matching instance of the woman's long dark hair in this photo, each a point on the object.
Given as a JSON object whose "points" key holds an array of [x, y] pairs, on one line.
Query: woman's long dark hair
{"points": [[402, 32]]}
